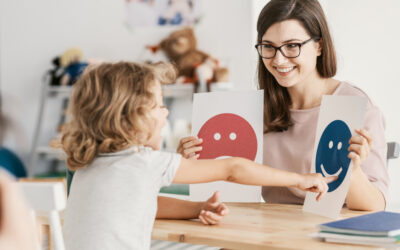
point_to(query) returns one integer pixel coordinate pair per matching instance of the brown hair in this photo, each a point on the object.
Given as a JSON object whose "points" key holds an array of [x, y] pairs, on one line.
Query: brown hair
{"points": [[310, 14], [110, 108]]}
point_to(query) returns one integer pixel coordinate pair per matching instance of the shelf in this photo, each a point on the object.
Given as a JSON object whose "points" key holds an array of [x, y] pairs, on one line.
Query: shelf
{"points": [[50, 152], [59, 90], [177, 90]]}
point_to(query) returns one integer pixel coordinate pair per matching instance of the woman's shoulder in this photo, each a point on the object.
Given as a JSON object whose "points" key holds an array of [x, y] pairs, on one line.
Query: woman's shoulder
{"points": [[346, 88]]}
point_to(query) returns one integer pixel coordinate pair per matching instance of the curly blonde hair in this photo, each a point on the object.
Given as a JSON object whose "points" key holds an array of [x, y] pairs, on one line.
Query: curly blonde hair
{"points": [[110, 108]]}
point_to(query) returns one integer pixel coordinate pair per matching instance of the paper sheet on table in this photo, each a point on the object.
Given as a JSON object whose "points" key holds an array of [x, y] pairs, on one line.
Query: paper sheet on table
{"points": [[231, 124], [338, 117]]}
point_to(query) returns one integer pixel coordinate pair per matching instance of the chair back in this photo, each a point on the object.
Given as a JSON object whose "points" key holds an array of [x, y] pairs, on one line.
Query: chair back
{"points": [[48, 198]]}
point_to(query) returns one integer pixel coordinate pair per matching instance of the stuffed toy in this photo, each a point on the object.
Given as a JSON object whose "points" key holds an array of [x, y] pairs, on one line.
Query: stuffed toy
{"points": [[193, 65], [56, 72], [72, 62]]}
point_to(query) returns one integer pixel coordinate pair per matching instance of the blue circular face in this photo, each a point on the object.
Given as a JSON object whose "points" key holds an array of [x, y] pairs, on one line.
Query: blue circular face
{"points": [[331, 158]]}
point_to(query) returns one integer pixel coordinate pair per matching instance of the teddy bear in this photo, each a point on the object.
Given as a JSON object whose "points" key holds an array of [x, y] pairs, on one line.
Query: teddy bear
{"points": [[194, 66]]}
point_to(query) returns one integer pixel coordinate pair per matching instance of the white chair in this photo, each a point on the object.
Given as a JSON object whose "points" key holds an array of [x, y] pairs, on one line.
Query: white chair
{"points": [[48, 198]]}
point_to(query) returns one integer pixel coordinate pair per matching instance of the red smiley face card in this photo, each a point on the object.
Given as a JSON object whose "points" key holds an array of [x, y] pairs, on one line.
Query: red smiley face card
{"points": [[231, 125]]}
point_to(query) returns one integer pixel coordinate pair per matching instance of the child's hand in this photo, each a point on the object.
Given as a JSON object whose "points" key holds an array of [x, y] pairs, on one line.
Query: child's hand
{"points": [[360, 146], [315, 183], [212, 212], [188, 147]]}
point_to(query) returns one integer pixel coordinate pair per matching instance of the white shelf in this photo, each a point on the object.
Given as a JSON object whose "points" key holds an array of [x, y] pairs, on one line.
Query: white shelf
{"points": [[59, 90], [177, 90], [51, 152]]}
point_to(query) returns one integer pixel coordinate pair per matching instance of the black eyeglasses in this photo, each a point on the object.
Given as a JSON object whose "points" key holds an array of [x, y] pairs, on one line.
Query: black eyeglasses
{"points": [[288, 50]]}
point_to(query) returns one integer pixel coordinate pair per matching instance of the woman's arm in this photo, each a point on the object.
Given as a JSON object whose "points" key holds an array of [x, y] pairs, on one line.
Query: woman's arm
{"points": [[360, 147], [209, 212], [360, 186], [244, 171]]}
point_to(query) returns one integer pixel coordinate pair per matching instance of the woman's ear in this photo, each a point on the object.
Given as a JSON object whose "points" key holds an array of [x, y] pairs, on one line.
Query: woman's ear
{"points": [[319, 48]]}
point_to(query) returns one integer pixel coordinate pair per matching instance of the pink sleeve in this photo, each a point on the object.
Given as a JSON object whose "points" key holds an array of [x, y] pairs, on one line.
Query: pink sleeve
{"points": [[375, 165]]}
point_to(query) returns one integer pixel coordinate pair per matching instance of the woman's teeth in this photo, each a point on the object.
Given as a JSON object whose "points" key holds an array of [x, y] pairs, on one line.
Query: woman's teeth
{"points": [[284, 70]]}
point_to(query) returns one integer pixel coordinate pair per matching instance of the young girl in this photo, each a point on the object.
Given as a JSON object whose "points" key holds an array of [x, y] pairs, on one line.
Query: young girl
{"points": [[296, 66], [113, 142]]}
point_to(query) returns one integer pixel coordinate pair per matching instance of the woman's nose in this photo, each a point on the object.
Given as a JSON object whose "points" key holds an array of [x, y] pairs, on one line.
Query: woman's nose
{"points": [[279, 58]]}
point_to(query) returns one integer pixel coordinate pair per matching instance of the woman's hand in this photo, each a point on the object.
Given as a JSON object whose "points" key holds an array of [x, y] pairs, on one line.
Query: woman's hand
{"points": [[315, 183], [213, 211], [189, 147], [360, 146]]}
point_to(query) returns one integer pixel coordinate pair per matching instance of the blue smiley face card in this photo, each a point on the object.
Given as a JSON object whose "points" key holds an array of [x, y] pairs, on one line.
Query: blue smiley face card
{"points": [[339, 116]]}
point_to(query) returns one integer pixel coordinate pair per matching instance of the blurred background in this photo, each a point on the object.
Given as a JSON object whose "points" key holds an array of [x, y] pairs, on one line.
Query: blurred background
{"points": [[33, 33]]}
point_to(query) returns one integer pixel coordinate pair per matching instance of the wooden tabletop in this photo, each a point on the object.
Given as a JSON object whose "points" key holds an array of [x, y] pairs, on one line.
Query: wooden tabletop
{"points": [[254, 226]]}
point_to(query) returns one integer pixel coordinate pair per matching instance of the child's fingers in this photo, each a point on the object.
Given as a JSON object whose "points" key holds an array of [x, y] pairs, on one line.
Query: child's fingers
{"points": [[329, 179], [319, 196]]}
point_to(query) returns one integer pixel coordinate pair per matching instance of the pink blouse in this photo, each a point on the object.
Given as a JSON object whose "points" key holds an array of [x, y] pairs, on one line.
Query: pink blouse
{"points": [[292, 150]]}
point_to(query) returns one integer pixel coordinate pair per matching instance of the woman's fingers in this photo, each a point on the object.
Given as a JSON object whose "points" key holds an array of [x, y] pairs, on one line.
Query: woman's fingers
{"points": [[361, 151], [196, 141], [365, 134], [189, 152], [188, 147]]}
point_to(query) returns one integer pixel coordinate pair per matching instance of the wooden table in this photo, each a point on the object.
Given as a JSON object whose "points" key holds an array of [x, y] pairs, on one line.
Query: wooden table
{"points": [[254, 226]]}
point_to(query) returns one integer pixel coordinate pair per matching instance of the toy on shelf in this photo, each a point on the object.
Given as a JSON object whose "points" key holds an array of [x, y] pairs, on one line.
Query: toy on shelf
{"points": [[194, 66], [56, 73], [72, 62]]}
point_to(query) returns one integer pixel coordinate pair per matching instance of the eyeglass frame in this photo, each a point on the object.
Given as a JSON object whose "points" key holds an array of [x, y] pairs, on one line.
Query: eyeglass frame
{"points": [[279, 48]]}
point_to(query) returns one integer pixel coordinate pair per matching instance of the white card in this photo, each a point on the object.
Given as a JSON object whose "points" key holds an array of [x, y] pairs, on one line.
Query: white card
{"points": [[338, 117], [230, 124]]}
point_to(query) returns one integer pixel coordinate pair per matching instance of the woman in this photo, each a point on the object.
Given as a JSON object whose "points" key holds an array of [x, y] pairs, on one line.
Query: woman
{"points": [[296, 64]]}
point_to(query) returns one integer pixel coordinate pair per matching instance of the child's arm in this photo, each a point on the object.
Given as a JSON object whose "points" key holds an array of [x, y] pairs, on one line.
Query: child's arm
{"points": [[209, 212], [244, 171]]}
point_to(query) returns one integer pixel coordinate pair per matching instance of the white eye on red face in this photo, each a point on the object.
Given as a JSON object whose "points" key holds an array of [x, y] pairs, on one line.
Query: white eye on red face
{"points": [[227, 135]]}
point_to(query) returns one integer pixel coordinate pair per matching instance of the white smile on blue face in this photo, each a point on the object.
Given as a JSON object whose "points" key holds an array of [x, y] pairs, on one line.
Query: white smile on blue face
{"points": [[326, 173]]}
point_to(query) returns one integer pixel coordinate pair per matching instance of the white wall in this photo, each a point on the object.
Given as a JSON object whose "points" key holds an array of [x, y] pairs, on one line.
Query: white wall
{"points": [[33, 32], [367, 36]]}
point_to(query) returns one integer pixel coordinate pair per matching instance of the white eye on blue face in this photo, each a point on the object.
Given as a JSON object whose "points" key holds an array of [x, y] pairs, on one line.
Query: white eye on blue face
{"points": [[330, 144], [339, 145]]}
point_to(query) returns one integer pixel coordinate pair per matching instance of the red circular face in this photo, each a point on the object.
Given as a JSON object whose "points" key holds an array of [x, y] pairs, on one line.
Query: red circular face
{"points": [[227, 135]]}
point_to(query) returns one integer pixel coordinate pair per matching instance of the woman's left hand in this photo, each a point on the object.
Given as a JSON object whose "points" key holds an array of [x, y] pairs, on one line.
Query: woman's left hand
{"points": [[213, 211], [360, 146]]}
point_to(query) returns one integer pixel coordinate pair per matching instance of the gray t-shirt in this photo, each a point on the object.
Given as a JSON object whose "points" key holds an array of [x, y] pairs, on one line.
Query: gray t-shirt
{"points": [[113, 202]]}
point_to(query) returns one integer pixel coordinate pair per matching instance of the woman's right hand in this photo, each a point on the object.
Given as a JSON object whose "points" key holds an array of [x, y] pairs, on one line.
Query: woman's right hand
{"points": [[315, 183], [189, 147]]}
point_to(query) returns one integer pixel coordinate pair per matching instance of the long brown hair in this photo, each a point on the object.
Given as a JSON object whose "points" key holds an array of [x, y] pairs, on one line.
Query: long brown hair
{"points": [[110, 108], [309, 13]]}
